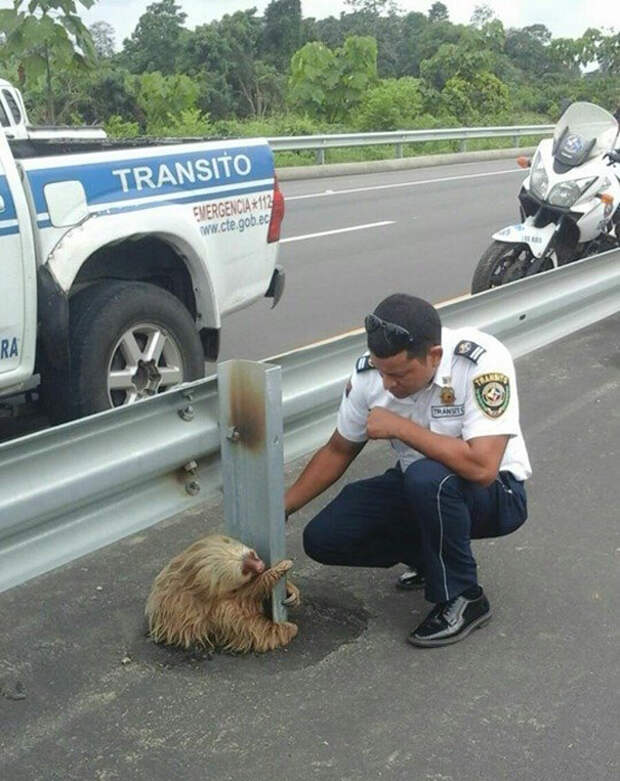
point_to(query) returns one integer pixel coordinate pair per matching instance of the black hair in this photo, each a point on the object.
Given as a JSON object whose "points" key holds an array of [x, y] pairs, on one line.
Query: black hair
{"points": [[416, 315]]}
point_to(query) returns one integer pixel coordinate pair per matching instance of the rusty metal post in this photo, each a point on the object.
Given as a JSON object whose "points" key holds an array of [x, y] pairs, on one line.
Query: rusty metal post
{"points": [[251, 432]]}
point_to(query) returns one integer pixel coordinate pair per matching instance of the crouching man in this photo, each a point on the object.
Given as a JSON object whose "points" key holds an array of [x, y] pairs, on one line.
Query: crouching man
{"points": [[447, 401]]}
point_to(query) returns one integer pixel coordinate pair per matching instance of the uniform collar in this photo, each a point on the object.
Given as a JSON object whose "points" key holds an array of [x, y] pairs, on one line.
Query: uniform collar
{"points": [[443, 375]]}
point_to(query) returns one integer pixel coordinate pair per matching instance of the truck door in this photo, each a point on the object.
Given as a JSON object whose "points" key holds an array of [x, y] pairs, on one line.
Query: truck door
{"points": [[17, 277]]}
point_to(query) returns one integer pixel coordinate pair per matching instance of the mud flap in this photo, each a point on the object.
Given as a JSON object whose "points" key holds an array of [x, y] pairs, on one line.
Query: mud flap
{"points": [[53, 320], [276, 286]]}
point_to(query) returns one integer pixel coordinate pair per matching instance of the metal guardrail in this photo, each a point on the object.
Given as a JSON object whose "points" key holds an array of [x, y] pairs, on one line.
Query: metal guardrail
{"points": [[70, 490], [399, 137]]}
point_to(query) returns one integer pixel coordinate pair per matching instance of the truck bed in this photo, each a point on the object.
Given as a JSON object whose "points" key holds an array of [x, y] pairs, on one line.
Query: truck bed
{"points": [[29, 148]]}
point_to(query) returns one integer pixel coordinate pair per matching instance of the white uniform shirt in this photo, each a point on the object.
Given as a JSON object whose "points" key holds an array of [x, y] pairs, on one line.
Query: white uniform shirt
{"points": [[473, 394]]}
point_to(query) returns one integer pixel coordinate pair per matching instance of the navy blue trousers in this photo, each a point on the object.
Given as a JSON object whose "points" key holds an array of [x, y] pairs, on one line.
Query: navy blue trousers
{"points": [[425, 517]]}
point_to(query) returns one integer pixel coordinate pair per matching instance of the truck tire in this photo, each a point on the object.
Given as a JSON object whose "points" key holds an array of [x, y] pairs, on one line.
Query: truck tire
{"points": [[129, 341], [499, 264]]}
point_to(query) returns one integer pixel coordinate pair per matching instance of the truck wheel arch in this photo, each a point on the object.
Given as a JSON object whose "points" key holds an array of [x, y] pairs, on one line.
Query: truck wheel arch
{"points": [[169, 260]]}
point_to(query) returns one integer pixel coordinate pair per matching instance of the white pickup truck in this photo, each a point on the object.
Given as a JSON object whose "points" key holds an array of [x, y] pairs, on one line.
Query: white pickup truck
{"points": [[119, 259]]}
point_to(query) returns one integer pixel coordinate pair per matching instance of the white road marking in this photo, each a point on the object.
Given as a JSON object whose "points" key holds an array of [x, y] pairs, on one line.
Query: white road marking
{"points": [[400, 184], [338, 230]]}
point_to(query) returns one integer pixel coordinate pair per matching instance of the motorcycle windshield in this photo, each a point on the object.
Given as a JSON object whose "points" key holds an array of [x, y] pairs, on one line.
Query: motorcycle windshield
{"points": [[583, 132]]}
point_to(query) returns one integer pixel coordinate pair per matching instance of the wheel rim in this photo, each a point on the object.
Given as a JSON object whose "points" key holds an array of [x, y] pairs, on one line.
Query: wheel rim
{"points": [[146, 360], [512, 265]]}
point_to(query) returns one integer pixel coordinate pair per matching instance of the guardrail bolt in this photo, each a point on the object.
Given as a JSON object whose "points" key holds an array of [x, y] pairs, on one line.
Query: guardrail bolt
{"points": [[193, 487], [233, 434], [187, 413]]}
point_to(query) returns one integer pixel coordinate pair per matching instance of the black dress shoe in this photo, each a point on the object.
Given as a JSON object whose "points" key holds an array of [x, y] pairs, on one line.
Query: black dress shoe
{"points": [[449, 622], [410, 579]]}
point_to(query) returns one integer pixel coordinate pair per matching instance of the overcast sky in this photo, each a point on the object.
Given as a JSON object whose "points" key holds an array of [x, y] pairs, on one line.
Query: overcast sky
{"points": [[565, 18]]}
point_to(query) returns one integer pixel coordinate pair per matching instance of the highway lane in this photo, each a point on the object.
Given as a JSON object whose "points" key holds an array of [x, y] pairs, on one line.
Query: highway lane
{"points": [[430, 228], [432, 235]]}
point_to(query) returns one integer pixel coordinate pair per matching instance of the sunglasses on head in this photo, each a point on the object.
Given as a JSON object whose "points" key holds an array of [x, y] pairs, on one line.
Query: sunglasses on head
{"points": [[395, 335]]}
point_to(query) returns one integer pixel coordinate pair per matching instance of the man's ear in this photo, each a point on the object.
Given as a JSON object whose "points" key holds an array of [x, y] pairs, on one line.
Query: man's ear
{"points": [[436, 354]]}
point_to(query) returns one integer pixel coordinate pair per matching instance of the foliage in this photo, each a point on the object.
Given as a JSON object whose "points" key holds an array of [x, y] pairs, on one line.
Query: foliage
{"points": [[373, 67], [117, 127], [46, 28], [470, 100], [281, 33], [393, 104], [330, 83], [46, 37], [451, 60], [102, 34], [154, 44], [438, 13], [189, 122], [163, 98], [226, 53]]}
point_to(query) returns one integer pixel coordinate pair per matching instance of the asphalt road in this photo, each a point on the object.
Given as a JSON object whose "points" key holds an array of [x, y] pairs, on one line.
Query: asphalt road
{"points": [[430, 226], [533, 696]]}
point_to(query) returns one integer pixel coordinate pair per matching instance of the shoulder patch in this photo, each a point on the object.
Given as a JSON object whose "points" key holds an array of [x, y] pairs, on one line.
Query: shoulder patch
{"points": [[492, 391], [364, 363], [469, 350]]}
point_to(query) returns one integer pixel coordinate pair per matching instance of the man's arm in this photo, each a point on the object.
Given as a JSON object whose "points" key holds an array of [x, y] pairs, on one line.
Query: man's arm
{"points": [[477, 460], [323, 469]]}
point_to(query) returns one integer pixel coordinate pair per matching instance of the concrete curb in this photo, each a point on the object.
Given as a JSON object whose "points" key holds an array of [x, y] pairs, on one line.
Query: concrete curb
{"points": [[398, 164]]}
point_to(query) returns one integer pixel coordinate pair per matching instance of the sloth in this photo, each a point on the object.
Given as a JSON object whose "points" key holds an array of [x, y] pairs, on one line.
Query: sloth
{"points": [[212, 595]]}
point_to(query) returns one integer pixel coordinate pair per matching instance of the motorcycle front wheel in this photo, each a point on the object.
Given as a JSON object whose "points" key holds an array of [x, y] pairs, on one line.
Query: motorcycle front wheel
{"points": [[502, 263]]}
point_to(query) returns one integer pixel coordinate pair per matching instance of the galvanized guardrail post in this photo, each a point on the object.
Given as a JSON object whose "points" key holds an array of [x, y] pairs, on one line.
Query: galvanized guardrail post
{"points": [[252, 457]]}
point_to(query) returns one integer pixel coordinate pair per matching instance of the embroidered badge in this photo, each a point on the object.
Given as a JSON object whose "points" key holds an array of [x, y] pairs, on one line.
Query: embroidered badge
{"points": [[469, 350], [364, 363], [492, 392]]}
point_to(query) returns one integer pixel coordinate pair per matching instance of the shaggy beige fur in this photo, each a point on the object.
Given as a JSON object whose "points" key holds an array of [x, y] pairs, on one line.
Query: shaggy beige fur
{"points": [[212, 595]]}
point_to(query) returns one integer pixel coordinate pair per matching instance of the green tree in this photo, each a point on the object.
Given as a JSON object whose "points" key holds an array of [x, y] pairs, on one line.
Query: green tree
{"points": [[567, 53], [528, 49], [329, 83], [108, 91], [154, 44], [162, 98], [102, 34], [464, 60], [226, 53], [481, 96], [282, 32], [393, 104], [608, 54], [374, 7], [49, 36], [438, 13], [482, 15]]}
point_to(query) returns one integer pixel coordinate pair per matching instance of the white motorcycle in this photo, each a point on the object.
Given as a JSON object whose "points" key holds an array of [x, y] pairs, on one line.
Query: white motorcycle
{"points": [[569, 203]]}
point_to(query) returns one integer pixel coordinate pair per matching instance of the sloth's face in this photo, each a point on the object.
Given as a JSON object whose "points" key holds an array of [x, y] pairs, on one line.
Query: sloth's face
{"points": [[225, 564], [252, 564]]}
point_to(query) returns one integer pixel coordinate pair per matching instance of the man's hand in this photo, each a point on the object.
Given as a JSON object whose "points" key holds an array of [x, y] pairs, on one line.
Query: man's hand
{"points": [[383, 424]]}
